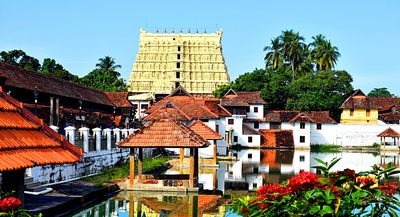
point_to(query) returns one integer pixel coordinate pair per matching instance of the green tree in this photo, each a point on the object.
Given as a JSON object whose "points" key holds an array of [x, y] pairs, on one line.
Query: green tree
{"points": [[323, 53], [380, 92], [293, 49], [274, 56], [105, 77], [20, 58], [276, 90], [52, 68]]}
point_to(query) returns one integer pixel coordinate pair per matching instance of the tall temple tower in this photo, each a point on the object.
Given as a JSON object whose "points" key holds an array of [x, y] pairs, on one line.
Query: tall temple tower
{"points": [[167, 60]]}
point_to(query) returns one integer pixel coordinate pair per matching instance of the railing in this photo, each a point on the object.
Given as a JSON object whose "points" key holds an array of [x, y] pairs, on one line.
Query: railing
{"points": [[103, 142], [79, 141], [92, 143]]}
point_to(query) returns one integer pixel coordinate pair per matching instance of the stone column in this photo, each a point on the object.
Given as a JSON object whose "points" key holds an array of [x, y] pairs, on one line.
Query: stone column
{"points": [[124, 133], [51, 122], [117, 133], [107, 132], [70, 134], [131, 131], [57, 121], [55, 128], [97, 134], [84, 132]]}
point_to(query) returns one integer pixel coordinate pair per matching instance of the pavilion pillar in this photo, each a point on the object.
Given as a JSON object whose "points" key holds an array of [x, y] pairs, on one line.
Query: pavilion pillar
{"points": [[131, 205], [51, 122], [131, 167], [215, 152], [193, 205], [14, 181], [181, 155], [191, 174], [140, 164]]}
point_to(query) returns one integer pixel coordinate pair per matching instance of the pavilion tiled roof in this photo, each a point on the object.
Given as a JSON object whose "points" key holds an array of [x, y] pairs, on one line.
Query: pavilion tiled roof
{"points": [[163, 133], [204, 131], [27, 79], [25, 141], [389, 132], [119, 99], [241, 98]]}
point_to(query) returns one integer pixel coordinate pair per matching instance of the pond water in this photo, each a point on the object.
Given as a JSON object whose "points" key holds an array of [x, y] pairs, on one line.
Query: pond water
{"points": [[253, 168]]}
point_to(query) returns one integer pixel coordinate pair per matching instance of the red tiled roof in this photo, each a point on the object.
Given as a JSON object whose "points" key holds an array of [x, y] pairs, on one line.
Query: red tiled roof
{"points": [[27, 79], [119, 99], [190, 107], [358, 100], [25, 141], [296, 116], [246, 130], [164, 132], [214, 106], [389, 117], [241, 98], [389, 132], [205, 131], [277, 138]]}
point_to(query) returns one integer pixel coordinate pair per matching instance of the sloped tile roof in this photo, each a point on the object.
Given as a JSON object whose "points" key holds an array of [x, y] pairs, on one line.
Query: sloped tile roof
{"points": [[249, 130], [296, 116], [214, 106], [25, 141], [119, 99], [279, 116], [27, 79], [389, 132], [242, 98], [358, 100], [162, 133], [251, 97], [204, 131]]}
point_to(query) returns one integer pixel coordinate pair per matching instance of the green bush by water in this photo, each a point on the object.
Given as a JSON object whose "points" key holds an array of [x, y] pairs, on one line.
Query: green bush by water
{"points": [[325, 148]]}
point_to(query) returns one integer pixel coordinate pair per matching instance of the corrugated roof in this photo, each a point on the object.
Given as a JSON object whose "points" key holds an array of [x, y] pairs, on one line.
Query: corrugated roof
{"points": [[389, 132], [25, 141], [119, 99], [204, 131], [27, 79], [164, 132]]}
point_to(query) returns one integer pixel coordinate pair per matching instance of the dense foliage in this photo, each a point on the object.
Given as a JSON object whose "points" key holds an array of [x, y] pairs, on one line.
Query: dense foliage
{"points": [[380, 92], [341, 193], [105, 77], [297, 76]]}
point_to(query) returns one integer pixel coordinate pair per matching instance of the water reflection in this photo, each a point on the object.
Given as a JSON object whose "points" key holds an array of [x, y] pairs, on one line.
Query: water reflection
{"points": [[252, 169], [140, 204]]}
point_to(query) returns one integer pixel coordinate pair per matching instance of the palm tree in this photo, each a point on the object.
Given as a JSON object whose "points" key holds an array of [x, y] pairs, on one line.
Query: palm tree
{"points": [[274, 56], [323, 53], [108, 64], [293, 48]]}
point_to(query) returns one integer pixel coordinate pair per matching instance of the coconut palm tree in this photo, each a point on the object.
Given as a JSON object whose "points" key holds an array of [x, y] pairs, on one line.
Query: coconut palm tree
{"points": [[323, 53], [293, 48], [274, 57], [108, 65]]}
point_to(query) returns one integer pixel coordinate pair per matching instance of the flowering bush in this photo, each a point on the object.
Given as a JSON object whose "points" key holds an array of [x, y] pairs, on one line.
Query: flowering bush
{"points": [[341, 193]]}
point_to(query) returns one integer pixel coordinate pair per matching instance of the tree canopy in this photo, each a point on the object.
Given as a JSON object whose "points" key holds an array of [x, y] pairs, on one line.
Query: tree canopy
{"points": [[380, 92]]}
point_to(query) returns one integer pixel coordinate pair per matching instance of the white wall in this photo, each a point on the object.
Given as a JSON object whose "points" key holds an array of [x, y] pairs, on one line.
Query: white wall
{"points": [[326, 135], [256, 115]]}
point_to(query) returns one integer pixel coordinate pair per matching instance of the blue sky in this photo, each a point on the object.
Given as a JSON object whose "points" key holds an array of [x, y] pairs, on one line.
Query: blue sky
{"points": [[77, 33]]}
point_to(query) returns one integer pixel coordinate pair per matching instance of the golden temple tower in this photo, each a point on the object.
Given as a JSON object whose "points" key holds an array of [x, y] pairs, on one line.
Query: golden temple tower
{"points": [[165, 61]]}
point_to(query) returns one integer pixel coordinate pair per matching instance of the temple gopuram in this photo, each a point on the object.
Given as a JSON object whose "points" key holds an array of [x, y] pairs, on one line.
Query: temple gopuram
{"points": [[168, 60]]}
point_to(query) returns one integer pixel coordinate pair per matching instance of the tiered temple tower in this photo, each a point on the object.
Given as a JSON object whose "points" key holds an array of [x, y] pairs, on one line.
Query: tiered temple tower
{"points": [[165, 61]]}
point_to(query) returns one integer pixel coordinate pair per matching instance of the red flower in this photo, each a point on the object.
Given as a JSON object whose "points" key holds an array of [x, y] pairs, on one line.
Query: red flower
{"points": [[245, 211], [9, 203], [350, 173], [271, 191], [334, 190], [389, 188], [304, 180]]}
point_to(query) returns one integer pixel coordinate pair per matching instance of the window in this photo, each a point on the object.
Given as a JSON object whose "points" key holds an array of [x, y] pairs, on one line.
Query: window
{"points": [[351, 112], [247, 109], [179, 48], [368, 112], [144, 106], [230, 121], [302, 158], [134, 106], [235, 139], [177, 84], [302, 139], [178, 56], [204, 120], [275, 125], [319, 126], [302, 125], [178, 75], [249, 156], [301, 170], [256, 125], [255, 170], [250, 139], [255, 109], [217, 128], [178, 65], [254, 185]]}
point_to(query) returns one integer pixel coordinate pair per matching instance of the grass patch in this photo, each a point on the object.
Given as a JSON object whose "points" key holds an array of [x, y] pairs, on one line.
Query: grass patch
{"points": [[150, 165], [325, 148]]}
